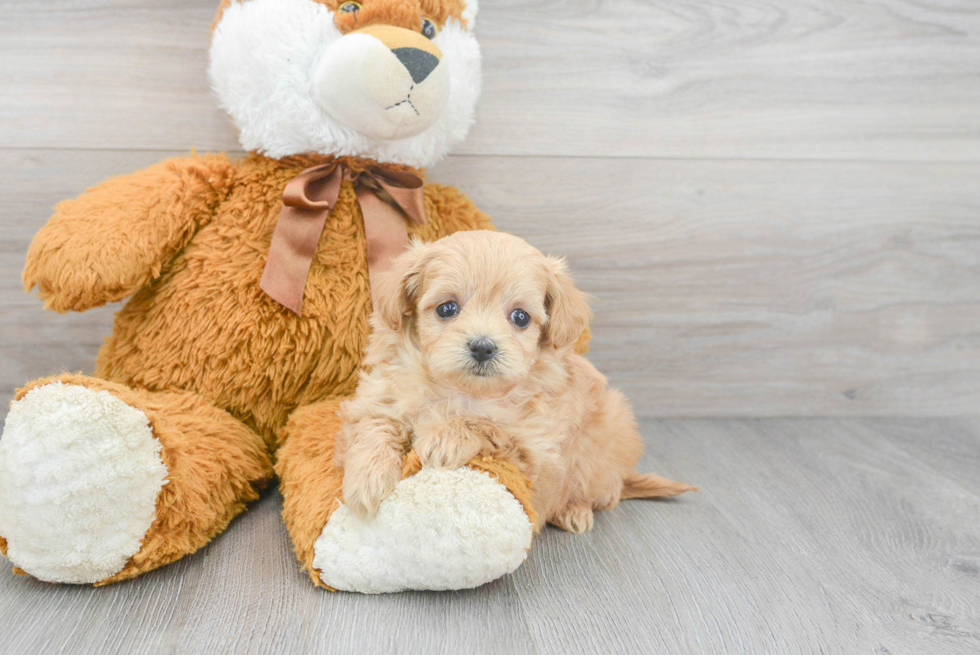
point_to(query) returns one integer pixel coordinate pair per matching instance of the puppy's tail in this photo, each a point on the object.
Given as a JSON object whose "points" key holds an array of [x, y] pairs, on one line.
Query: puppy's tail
{"points": [[648, 485]]}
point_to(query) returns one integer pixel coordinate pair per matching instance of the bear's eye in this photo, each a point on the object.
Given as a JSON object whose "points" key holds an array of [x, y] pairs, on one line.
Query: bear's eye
{"points": [[350, 7], [447, 309], [428, 29], [520, 318]]}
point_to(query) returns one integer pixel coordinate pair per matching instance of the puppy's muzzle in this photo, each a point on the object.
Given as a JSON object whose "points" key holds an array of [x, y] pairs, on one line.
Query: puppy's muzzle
{"points": [[482, 350]]}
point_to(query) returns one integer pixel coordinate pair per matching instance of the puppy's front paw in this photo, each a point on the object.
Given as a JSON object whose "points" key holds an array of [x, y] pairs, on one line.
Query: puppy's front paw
{"points": [[573, 518], [366, 487], [444, 451]]}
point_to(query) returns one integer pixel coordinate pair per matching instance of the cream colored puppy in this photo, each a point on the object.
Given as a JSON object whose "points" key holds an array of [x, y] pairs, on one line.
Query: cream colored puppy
{"points": [[473, 353]]}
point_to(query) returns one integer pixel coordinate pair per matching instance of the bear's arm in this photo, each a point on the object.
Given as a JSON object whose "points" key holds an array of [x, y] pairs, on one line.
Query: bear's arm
{"points": [[118, 236]]}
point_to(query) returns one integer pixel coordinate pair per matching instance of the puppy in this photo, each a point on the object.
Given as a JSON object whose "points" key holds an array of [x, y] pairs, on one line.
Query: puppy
{"points": [[472, 354]]}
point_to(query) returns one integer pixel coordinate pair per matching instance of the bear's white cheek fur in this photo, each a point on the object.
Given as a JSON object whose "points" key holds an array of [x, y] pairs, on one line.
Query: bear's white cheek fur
{"points": [[263, 56]]}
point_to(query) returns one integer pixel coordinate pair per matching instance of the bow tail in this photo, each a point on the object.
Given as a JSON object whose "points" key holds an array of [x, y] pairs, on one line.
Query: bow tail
{"points": [[307, 201], [290, 256], [385, 231]]}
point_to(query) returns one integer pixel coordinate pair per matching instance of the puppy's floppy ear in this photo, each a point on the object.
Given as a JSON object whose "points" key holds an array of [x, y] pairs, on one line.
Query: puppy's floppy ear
{"points": [[399, 286], [568, 308]]}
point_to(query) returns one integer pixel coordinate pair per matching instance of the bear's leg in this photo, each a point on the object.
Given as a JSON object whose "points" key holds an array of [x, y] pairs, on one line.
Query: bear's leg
{"points": [[309, 481], [439, 529], [100, 482]]}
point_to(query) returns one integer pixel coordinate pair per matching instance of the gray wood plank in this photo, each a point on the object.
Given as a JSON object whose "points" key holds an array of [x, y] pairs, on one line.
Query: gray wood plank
{"points": [[762, 288], [951, 447], [809, 536], [723, 288], [272, 607], [132, 618], [245, 593], [892, 79]]}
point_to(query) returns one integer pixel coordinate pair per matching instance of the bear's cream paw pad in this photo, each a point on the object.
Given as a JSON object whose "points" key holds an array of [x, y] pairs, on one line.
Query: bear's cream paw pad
{"points": [[80, 471], [438, 530]]}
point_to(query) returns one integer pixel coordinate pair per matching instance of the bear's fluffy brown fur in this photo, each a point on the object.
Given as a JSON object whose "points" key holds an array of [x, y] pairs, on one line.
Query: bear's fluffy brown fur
{"points": [[237, 388], [217, 365]]}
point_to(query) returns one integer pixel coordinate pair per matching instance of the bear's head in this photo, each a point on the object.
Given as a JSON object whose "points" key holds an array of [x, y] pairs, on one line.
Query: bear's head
{"points": [[392, 80]]}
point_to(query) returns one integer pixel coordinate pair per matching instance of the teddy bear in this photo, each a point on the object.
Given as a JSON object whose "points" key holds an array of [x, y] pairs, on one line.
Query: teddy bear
{"points": [[249, 293]]}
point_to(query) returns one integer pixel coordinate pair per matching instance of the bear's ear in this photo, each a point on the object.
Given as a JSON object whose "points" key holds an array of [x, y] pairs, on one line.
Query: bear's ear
{"points": [[568, 308], [399, 287], [221, 12], [470, 7]]}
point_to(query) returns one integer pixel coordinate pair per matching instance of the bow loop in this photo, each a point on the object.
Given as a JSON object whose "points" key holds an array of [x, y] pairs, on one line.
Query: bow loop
{"points": [[402, 188], [315, 188], [384, 196]]}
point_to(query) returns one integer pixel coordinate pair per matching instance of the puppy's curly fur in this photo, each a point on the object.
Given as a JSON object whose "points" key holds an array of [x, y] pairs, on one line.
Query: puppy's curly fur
{"points": [[472, 353]]}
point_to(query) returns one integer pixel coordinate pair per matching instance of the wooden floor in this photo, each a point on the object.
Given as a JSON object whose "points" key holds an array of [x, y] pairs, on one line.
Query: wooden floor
{"points": [[808, 536]]}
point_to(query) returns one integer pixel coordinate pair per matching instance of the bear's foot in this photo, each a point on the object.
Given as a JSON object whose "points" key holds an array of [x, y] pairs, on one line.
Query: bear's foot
{"points": [[80, 471], [438, 530], [100, 482]]}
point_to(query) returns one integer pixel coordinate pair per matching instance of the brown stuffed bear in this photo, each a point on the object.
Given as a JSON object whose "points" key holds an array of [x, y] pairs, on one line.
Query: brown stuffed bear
{"points": [[249, 287]]}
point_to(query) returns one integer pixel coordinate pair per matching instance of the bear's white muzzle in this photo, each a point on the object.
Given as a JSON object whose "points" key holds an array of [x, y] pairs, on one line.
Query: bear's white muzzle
{"points": [[378, 82]]}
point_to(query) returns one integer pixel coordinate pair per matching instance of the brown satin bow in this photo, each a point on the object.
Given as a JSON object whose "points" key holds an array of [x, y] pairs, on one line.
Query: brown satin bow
{"points": [[383, 194]]}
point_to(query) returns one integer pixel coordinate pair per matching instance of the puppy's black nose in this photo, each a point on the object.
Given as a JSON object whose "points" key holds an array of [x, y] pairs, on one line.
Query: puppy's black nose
{"points": [[482, 349], [418, 62]]}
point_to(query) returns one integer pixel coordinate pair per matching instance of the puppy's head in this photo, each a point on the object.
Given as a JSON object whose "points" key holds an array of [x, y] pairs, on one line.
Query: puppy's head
{"points": [[480, 307]]}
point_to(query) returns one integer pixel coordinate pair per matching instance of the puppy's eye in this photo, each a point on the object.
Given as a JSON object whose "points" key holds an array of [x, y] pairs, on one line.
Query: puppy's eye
{"points": [[428, 29], [520, 318], [447, 309], [349, 7]]}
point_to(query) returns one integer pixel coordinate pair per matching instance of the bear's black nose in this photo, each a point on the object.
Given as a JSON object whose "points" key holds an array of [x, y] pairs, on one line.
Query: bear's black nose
{"points": [[482, 349], [418, 62]]}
